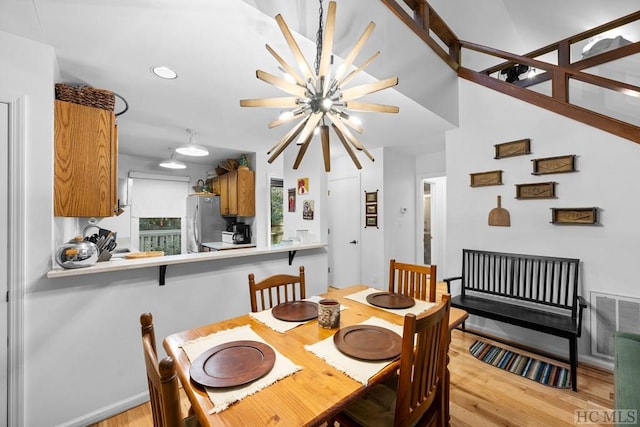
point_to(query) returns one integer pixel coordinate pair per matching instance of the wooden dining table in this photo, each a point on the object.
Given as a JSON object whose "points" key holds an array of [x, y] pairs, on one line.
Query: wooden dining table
{"points": [[311, 395]]}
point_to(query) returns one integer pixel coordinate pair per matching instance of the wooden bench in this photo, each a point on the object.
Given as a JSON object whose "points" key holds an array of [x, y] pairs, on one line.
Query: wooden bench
{"points": [[534, 292]]}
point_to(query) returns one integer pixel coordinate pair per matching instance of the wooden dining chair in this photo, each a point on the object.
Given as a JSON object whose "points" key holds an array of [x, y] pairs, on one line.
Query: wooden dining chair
{"points": [[417, 394], [414, 280], [162, 380], [275, 290]]}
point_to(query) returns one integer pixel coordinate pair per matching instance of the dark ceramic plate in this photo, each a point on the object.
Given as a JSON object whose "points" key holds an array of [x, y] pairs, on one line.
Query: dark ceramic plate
{"points": [[295, 311], [368, 342], [232, 364], [390, 300]]}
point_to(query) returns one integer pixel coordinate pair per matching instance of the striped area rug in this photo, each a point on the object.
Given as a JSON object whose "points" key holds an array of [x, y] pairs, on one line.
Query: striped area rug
{"points": [[525, 366]]}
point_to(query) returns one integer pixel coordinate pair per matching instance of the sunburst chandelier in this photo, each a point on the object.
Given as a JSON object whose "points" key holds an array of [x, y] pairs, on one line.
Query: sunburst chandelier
{"points": [[320, 97]]}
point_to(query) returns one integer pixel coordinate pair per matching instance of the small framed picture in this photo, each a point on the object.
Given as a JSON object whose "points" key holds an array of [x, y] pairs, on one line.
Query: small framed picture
{"points": [[292, 199], [303, 185], [371, 197], [371, 221], [372, 209], [307, 209]]}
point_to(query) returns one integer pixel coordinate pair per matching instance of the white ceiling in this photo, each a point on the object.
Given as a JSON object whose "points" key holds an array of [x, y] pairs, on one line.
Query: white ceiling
{"points": [[216, 46]]}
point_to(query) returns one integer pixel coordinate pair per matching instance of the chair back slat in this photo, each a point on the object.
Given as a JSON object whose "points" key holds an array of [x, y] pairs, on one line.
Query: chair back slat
{"points": [[414, 280], [275, 290]]}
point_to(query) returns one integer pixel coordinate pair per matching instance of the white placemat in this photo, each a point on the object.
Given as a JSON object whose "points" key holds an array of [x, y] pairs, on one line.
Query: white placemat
{"points": [[223, 397], [359, 370], [282, 326], [420, 306]]}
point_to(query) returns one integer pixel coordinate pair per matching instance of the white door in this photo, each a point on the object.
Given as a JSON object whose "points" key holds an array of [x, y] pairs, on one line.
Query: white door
{"points": [[344, 232], [4, 262]]}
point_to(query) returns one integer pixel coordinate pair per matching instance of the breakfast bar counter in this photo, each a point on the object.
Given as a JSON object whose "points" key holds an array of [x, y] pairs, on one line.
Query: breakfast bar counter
{"points": [[163, 261]]}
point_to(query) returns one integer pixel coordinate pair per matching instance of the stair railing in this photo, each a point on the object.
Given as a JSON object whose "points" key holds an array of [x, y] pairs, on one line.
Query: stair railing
{"points": [[426, 23]]}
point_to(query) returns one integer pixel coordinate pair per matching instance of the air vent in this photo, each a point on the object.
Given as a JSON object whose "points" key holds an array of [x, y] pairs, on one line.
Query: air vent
{"points": [[610, 313]]}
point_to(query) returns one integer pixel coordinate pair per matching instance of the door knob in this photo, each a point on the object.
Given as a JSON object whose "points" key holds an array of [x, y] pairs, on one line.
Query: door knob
{"points": [[354, 242]]}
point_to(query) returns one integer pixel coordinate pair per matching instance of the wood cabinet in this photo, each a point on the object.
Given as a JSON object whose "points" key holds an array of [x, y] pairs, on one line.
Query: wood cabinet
{"points": [[237, 193], [214, 185], [85, 164]]}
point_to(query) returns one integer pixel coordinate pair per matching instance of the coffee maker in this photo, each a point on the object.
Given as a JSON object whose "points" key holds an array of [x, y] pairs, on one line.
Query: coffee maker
{"points": [[241, 233]]}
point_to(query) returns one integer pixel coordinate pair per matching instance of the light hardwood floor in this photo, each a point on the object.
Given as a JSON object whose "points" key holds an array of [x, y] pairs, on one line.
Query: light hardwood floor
{"points": [[482, 395]]}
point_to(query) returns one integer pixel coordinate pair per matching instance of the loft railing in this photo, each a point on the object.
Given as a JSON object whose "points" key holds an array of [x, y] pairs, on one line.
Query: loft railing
{"points": [[430, 27]]}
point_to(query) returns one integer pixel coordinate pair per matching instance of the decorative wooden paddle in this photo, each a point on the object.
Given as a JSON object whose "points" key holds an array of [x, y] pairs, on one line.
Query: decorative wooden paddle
{"points": [[499, 216]]}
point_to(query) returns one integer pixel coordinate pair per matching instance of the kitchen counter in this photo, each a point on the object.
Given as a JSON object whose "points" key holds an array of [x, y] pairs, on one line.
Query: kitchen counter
{"points": [[162, 262], [222, 246]]}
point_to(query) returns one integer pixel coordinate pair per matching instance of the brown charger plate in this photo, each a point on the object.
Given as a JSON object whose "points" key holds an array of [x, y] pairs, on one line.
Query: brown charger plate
{"points": [[232, 364], [390, 300], [295, 311], [368, 342]]}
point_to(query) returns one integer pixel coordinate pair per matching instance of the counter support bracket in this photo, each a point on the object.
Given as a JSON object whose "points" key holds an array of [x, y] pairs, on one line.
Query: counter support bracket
{"points": [[162, 272], [292, 255]]}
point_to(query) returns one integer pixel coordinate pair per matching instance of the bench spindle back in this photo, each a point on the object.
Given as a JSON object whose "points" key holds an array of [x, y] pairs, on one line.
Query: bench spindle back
{"points": [[535, 279]]}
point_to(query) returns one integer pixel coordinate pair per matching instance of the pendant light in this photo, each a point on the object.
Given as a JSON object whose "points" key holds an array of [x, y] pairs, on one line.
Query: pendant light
{"points": [[318, 97], [192, 149], [172, 163]]}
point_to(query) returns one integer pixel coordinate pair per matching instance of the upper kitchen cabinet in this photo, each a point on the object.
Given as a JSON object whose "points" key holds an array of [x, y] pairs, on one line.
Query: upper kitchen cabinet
{"points": [[86, 154], [237, 193]]}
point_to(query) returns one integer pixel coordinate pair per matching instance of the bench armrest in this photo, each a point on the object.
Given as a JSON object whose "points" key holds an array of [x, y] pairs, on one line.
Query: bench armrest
{"points": [[448, 280], [582, 304]]}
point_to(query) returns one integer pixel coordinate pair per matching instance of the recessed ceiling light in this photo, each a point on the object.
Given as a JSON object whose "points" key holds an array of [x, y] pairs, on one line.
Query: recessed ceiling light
{"points": [[164, 72]]}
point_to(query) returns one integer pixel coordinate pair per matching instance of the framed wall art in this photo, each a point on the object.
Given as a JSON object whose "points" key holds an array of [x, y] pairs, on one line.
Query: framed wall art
{"points": [[538, 190], [558, 164], [292, 199], [482, 179], [303, 185], [371, 197], [307, 209], [579, 216], [520, 147], [371, 209]]}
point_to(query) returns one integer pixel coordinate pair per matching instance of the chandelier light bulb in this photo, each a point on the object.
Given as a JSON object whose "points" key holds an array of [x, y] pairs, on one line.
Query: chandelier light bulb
{"points": [[355, 120], [286, 115]]}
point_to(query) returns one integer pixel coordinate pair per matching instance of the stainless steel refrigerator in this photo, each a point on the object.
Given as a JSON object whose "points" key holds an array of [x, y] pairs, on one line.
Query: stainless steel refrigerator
{"points": [[204, 222]]}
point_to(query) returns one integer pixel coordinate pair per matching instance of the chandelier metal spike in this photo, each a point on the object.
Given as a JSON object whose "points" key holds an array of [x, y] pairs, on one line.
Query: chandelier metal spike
{"points": [[317, 98]]}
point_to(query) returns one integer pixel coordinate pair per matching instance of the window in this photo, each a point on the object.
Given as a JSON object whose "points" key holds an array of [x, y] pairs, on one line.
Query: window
{"points": [[160, 234], [277, 207], [158, 212]]}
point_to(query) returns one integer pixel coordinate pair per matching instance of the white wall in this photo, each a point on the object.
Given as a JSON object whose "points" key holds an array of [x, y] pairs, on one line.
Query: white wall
{"points": [[607, 178], [28, 71], [399, 207], [374, 266]]}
